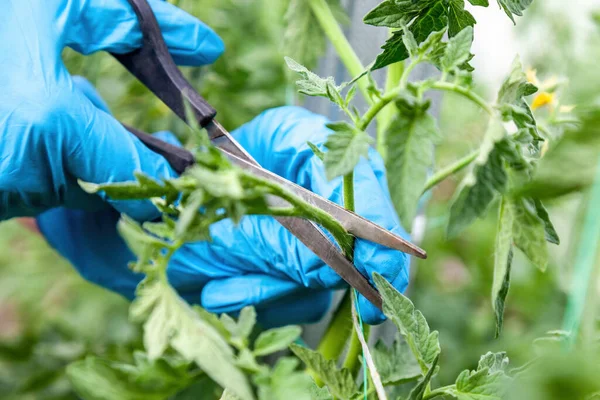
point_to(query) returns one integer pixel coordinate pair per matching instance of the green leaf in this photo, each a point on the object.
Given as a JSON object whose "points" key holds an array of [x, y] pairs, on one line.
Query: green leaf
{"points": [[340, 382], [480, 385], [458, 17], [529, 232], [396, 365], [512, 104], [320, 154], [487, 180], [98, 379], [514, 7], [219, 183], [458, 50], [570, 165], [313, 85], [433, 43], [493, 362], [419, 390], [285, 382], [125, 190], [409, 42], [502, 261], [432, 18], [410, 322], [344, 148], [542, 213], [410, 140], [240, 330], [395, 13], [170, 321], [276, 339], [189, 213], [482, 3], [319, 393], [523, 118], [246, 322], [515, 86]]}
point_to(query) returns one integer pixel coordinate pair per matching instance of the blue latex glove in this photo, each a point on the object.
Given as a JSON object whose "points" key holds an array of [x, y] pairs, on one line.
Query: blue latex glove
{"points": [[257, 263], [50, 133]]}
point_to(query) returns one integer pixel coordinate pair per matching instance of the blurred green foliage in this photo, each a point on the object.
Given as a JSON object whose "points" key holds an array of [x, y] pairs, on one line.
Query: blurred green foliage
{"points": [[51, 317]]}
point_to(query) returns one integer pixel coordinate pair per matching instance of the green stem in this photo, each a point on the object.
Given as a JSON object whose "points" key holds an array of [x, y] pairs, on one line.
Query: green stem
{"points": [[354, 350], [450, 170], [388, 97], [394, 75], [451, 87], [308, 211], [334, 340], [349, 191], [336, 36]]}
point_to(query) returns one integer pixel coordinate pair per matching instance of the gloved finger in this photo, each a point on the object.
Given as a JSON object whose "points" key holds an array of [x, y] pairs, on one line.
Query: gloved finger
{"points": [[277, 301], [257, 245], [103, 151], [95, 25]]}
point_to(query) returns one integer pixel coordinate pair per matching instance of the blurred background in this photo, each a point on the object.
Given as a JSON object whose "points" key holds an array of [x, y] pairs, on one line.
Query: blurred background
{"points": [[49, 316]]}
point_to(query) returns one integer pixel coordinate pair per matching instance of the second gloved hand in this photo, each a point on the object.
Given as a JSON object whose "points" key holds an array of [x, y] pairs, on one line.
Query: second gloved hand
{"points": [[258, 262]]}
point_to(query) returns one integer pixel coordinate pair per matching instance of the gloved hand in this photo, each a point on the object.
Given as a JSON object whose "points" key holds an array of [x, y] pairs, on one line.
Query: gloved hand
{"points": [[50, 133], [258, 262]]}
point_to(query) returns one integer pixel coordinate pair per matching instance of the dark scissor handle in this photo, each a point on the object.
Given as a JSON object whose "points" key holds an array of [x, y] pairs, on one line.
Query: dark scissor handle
{"points": [[154, 67]]}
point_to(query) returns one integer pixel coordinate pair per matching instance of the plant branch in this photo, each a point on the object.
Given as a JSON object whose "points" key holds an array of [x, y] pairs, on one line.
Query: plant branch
{"points": [[344, 49], [394, 74], [450, 170], [475, 98]]}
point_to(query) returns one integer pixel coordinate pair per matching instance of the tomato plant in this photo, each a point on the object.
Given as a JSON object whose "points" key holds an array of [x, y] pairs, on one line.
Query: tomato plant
{"points": [[185, 345]]}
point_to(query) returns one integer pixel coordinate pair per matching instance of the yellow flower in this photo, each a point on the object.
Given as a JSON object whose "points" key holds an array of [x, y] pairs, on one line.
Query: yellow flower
{"points": [[543, 99]]}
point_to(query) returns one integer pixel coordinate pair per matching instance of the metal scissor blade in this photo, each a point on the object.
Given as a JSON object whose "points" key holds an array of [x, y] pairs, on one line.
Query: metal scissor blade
{"points": [[309, 234], [353, 223]]}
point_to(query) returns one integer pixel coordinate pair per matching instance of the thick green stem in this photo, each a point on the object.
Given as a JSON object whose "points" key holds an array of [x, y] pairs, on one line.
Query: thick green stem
{"points": [[334, 340], [352, 361], [451, 87], [349, 191], [336, 36], [450, 170], [394, 74]]}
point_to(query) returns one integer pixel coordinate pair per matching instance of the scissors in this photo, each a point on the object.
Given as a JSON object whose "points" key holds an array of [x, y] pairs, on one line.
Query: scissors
{"points": [[153, 66]]}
